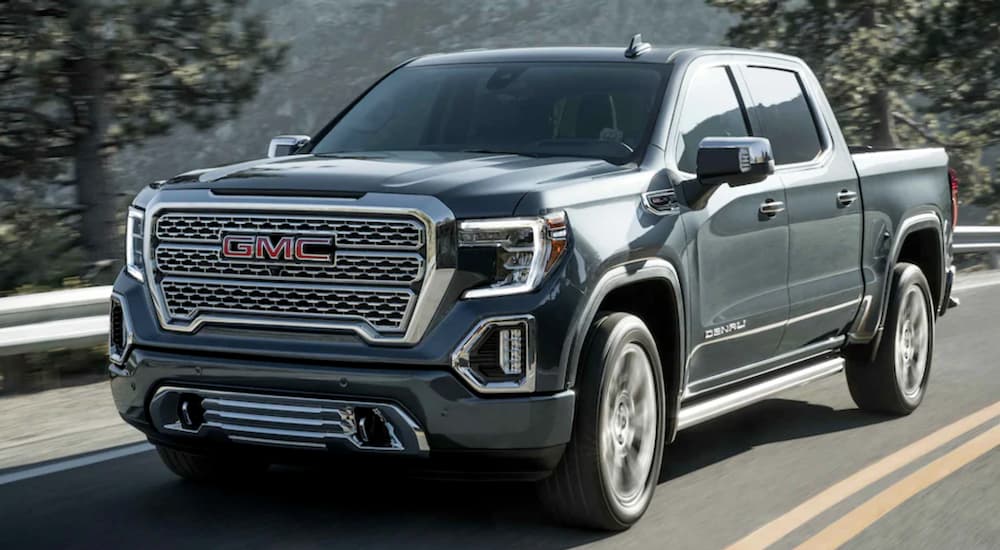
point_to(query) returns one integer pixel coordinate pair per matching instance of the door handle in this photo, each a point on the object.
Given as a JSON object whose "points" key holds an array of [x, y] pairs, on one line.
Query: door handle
{"points": [[771, 208], [846, 197]]}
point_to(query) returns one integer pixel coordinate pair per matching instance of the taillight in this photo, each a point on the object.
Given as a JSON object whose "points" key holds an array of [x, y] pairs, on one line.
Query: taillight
{"points": [[953, 180]]}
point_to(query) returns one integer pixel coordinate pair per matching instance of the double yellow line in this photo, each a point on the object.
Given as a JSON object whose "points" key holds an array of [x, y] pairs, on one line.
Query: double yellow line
{"points": [[869, 512]]}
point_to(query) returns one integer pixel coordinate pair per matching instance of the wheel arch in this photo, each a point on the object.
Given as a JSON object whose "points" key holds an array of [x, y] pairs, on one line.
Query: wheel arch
{"points": [[639, 288], [920, 240], [923, 248]]}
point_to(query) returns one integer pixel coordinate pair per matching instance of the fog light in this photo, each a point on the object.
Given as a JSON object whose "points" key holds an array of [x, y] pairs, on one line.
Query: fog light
{"points": [[117, 329], [496, 357], [512, 350], [119, 332]]}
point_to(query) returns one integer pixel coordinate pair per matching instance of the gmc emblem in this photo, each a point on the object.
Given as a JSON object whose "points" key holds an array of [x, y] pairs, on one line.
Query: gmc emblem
{"points": [[276, 247]]}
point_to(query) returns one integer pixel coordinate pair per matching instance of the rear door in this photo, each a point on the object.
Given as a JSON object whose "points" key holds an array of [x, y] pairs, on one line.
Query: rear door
{"points": [[823, 205], [738, 255]]}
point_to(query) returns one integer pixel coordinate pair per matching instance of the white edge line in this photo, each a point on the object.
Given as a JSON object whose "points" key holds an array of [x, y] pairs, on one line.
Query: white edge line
{"points": [[71, 463], [973, 286]]}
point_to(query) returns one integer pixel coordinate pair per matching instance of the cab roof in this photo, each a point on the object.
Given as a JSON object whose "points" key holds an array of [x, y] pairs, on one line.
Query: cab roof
{"points": [[657, 54]]}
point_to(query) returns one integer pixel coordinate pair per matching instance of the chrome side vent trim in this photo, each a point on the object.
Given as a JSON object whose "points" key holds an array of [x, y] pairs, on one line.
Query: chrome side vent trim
{"points": [[661, 202]]}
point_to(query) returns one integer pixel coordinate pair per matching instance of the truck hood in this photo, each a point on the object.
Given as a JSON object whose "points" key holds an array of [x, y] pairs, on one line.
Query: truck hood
{"points": [[471, 185]]}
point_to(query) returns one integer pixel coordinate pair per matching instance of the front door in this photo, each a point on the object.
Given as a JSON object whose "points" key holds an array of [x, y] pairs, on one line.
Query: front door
{"points": [[737, 249]]}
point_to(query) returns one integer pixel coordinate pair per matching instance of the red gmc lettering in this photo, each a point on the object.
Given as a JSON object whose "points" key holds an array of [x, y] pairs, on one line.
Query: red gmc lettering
{"points": [[261, 247], [284, 249], [303, 242], [238, 246]]}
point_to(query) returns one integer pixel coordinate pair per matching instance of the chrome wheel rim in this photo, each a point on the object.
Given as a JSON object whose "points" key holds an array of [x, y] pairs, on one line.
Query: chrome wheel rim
{"points": [[627, 436], [912, 338]]}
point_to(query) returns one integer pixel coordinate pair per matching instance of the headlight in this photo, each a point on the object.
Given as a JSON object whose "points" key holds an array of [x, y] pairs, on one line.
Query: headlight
{"points": [[526, 250], [133, 243]]}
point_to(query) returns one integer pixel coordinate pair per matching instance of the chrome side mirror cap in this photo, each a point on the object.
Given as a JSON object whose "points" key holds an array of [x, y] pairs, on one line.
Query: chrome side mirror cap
{"points": [[734, 160], [286, 145]]}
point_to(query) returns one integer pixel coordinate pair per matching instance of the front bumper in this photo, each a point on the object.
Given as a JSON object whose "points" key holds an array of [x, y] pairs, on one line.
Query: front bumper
{"points": [[450, 416], [550, 307]]}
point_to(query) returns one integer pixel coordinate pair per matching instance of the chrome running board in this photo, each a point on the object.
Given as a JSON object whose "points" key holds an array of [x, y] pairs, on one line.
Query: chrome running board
{"points": [[706, 409]]}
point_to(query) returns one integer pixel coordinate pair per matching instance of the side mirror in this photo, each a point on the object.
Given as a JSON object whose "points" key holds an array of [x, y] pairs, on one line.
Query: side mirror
{"points": [[285, 145], [736, 161]]}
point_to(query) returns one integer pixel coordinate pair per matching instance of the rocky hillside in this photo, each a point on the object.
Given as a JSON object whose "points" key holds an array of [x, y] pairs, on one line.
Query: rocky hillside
{"points": [[338, 47]]}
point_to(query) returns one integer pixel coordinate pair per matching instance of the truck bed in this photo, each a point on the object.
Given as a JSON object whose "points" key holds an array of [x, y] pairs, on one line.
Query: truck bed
{"points": [[898, 187]]}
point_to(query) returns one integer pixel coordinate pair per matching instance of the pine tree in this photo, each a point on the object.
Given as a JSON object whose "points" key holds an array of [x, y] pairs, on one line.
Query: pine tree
{"points": [[82, 79], [890, 81], [956, 49]]}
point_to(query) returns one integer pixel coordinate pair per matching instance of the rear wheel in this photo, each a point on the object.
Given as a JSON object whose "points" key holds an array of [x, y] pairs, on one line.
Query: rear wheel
{"points": [[610, 469], [206, 468], [896, 380]]}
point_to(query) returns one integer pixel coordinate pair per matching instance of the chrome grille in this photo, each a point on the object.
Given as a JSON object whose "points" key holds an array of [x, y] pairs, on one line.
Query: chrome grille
{"points": [[372, 282], [382, 308], [379, 233], [350, 266]]}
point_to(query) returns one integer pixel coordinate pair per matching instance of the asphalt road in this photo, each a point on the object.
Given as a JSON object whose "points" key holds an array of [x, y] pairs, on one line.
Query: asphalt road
{"points": [[720, 481]]}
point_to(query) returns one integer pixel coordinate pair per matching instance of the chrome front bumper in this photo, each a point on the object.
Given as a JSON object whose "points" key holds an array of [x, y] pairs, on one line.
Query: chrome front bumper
{"points": [[285, 421]]}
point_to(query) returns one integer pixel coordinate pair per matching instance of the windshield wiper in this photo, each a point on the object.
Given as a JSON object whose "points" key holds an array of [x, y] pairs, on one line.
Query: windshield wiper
{"points": [[502, 152], [345, 154]]}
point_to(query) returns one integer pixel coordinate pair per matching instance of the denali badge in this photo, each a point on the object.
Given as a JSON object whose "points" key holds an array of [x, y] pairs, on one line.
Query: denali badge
{"points": [[277, 247], [726, 329]]}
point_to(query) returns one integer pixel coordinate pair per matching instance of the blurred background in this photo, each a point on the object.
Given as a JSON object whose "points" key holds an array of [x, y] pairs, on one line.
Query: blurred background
{"points": [[98, 98], [101, 97]]}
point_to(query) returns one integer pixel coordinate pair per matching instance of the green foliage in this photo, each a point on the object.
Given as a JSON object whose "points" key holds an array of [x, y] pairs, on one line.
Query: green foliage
{"points": [[897, 72], [79, 79], [160, 62], [38, 244], [956, 51]]}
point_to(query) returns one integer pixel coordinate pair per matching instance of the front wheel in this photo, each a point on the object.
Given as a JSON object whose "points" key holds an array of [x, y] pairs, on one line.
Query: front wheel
{"points": [[896, 380], [611, 466]]}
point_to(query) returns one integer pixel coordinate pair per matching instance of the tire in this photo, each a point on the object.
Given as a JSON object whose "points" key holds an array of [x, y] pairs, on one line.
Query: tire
{"points": [[611, 465], [203, 468], [896, 380]]}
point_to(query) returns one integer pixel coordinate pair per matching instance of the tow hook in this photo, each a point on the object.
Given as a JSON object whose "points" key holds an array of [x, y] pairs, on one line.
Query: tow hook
{"points": [[190, 412], [373, 429]]}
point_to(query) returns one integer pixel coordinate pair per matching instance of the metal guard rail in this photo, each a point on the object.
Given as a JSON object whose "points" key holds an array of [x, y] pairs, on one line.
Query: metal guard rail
{"points": [[976, 238], [77, 318]]}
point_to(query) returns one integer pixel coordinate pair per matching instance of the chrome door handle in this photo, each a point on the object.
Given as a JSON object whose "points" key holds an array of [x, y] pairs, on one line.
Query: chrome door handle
{"points": [[771, 208], [846, 197]]}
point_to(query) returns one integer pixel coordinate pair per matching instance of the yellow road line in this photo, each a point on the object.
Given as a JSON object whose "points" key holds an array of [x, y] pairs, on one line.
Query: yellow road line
{"points": [[857, 520], [798, 516]]}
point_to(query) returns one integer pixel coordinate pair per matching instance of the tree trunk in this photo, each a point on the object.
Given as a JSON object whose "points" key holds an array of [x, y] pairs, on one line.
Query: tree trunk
{"points": [[883, 132], [94, 192]]}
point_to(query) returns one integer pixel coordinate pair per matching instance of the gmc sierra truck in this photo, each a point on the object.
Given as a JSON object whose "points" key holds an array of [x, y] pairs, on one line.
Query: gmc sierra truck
{"points": [[530, 264]]}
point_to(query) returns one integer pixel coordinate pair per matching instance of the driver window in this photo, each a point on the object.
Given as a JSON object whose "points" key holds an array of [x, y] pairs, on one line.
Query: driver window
{"points": [[710, 109]]}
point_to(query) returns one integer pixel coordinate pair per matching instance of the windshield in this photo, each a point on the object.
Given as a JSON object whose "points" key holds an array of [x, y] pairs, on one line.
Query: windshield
{"points": [[598, 110]]}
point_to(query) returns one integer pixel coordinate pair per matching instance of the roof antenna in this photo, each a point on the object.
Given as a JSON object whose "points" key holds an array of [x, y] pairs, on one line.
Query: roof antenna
{"points": [[637, 47]]}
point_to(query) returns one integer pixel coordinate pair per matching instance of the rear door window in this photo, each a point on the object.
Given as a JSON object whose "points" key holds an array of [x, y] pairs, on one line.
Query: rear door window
{"points": [[780, 108]]}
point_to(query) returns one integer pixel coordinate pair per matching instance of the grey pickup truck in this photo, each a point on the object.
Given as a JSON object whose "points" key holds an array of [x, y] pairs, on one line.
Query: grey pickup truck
{"points": [[530, 264]]}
